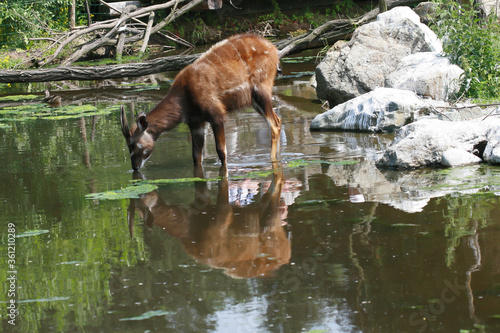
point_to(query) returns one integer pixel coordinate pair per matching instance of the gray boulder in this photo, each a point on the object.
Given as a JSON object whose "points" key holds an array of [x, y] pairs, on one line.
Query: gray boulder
{"points": [[388, 109], [381, 110], [427, 74], [374, 52], [457, 157], [424, 142], [492, 151]]}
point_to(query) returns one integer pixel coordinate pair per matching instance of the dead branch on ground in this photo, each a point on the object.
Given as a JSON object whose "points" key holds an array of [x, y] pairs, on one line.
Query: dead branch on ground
{"points": [[108, 32]]}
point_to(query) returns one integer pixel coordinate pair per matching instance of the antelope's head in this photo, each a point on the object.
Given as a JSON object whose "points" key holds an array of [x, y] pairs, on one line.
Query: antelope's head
{"points": [[140, 143]]}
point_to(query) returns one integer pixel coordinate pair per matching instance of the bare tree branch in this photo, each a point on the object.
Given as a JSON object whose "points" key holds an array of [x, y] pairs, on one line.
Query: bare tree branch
{"points": [[112, 27]]}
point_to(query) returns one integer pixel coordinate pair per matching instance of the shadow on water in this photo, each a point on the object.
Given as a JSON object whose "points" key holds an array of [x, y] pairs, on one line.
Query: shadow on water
{"points": [[326, 242]]}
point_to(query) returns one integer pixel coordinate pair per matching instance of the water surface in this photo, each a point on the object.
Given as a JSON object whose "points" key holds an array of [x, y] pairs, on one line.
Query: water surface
{"points": [[321, 242]]}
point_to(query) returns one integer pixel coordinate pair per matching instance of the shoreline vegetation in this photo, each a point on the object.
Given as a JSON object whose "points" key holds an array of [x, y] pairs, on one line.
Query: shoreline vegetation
{"points": [[189, 28], [471, 40]]}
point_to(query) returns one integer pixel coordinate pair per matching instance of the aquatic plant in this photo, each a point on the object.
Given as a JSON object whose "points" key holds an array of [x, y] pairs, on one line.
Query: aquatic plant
{"points": [[22, 113], [130, 192], [139, 187]]}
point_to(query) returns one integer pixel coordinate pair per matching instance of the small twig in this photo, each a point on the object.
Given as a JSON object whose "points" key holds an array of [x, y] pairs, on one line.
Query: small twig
{"points": [[231, 2], [467, 107], [434, 109], [324, 106], [489, 114], [456, 107]]}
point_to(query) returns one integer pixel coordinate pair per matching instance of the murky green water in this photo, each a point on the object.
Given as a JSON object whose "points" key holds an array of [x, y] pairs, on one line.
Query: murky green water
{"points": [[324, 242]]}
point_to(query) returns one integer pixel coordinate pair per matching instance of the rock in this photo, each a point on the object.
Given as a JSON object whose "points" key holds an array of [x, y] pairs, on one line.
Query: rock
{"points": [[381, 110], [374, 51], [423, 142], [492, 7], [426, 11], [458, 157], [427, 74], [388, 109], [492, 150]]}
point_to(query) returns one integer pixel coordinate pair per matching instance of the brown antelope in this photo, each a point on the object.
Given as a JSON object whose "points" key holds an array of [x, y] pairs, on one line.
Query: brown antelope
{"points": [[235, 73], [247, 241]]}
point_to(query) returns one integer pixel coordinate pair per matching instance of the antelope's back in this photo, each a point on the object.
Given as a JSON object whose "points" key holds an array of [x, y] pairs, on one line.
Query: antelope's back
{"points": [[230, 69]]}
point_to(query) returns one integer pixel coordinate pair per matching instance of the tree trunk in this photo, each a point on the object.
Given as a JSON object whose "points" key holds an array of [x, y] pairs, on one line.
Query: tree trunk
{"points": [[89, 16], [72, 15], [382, 6]]}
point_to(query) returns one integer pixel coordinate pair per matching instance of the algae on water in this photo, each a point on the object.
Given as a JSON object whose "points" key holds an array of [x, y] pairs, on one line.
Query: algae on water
{"points": [[139, 187], [129, 192], [16, 98], [22, 113]]}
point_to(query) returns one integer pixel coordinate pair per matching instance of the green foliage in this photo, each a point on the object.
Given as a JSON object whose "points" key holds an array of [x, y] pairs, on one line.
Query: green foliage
{"points": [[20, 20], [473, 44]]}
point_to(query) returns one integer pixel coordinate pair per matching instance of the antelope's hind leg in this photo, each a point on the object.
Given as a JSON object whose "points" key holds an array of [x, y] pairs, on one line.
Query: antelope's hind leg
{"points": [[198, 138], [262, 103], [220, 140]]}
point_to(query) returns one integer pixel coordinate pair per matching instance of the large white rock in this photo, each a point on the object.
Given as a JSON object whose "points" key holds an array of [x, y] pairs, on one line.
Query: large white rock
{"points": [[427, 74], [374, 52], [492, 151], [457, 157], [423, 142], [383, 109]]}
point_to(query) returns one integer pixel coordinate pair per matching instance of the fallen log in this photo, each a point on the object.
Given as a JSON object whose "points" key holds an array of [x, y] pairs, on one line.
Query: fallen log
{"points": [[158, 65]]}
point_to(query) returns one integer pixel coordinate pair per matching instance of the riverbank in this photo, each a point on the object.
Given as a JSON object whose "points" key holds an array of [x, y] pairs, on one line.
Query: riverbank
{"points": [[204, 27]]}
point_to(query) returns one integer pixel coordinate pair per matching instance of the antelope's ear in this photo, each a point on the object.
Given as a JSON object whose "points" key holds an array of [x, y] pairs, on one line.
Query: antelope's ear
{"points": [[142, 123], [123, 120]]}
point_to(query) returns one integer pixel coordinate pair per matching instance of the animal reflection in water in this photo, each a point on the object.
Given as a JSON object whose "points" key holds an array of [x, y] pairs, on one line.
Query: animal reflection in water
{"points": [[246, 241]]}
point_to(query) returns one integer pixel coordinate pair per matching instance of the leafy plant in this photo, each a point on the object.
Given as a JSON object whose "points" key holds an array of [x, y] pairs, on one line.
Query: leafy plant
{"points": [[20, 20], [473, 44]]}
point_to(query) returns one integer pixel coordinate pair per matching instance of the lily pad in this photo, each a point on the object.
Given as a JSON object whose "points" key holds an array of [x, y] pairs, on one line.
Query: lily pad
{"points": [[139, 187], [402, 225], [42, 111], [15, 98], [320, 202], [149, 314], [129, 192], [178, 180], [41, 300], [301, 163], [31, 233]]}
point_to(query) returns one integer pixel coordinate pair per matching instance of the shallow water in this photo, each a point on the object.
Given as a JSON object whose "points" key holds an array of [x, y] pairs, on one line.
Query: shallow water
{"points": [[322, 242]]}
